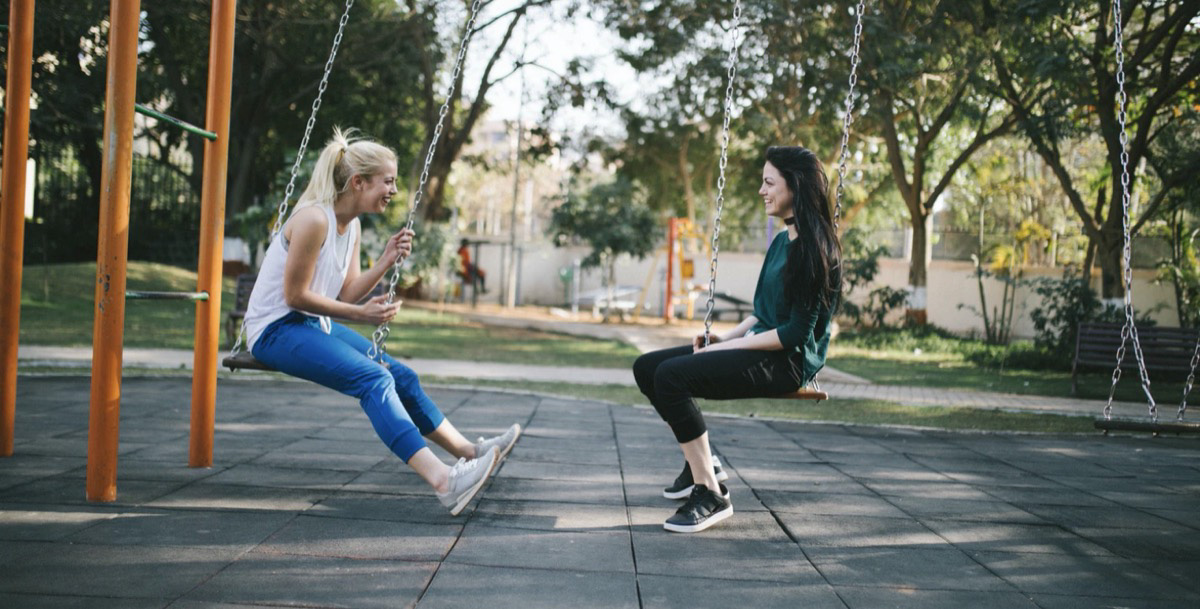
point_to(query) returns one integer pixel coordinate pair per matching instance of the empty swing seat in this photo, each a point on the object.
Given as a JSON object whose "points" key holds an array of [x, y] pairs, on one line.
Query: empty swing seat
{"points": [[1154, 427]]}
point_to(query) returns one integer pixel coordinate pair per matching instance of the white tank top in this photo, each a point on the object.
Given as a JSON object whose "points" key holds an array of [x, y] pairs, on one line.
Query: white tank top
{"points": [[266, 300]]}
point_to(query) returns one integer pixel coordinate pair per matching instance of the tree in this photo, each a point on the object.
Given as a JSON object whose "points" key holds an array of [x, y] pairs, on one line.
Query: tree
{"points": [[461, 115], [277, 70], [791, 78], [926, 74], [1055, 67]]}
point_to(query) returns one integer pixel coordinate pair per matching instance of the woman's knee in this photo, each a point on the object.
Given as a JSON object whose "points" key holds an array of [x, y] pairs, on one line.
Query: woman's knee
{"points": [[373, 379]]}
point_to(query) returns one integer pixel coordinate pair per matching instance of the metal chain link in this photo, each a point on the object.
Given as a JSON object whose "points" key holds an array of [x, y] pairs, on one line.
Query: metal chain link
{"points": [[1129, 331], [381, 333], [1187, 387], [731, 74], [848, 114], [281, 211]]}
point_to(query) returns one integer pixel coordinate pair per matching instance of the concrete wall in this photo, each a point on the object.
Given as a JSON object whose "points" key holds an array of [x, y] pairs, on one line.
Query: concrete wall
{"points": [[951, 283]]}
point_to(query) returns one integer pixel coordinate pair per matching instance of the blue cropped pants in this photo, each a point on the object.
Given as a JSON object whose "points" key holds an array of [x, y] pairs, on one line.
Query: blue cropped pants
{"points": [[399, 410]]}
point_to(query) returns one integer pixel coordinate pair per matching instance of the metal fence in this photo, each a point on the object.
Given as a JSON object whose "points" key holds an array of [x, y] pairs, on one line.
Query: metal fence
{"points": [[164, 210]]}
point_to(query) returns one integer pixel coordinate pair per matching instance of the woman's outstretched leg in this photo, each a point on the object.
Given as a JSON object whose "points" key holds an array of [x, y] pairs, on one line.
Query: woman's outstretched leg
{"points": [[297, 346], [424, 412]]}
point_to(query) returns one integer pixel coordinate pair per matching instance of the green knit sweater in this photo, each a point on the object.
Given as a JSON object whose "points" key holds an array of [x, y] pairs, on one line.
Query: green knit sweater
{"points": [[804, 330]]}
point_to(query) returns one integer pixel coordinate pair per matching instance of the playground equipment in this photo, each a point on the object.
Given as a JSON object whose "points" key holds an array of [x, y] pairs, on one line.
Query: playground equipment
{"points": [[1129, 332], [113, 238]]}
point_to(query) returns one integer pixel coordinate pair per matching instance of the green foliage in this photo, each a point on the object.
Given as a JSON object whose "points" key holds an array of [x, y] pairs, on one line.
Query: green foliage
{"points": [[612, 217], [860, 267], [281, 50], [434, 250], [1065, 304]]}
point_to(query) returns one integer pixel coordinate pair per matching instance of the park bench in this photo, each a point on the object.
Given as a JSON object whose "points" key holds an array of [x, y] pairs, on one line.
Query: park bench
{"points": [[241, 300], [620, 300], [1166, 350]]}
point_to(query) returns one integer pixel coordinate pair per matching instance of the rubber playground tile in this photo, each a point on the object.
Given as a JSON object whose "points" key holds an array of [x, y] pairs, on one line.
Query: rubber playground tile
{"points": [[904, 597], [31, 601], [550, 516], [605, 551], [39, 522], [145, 526], [265, 579], [206, 495], [1083, 575], [661, 592], [362, 539], [115, 571], [265, 476], [829, 504], [835, 531], [660, 552], [462, 585], [943, 568], [974, 537]]}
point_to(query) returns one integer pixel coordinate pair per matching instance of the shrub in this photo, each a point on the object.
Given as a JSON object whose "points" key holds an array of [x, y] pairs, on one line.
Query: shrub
{"points": [[1065, 304]]}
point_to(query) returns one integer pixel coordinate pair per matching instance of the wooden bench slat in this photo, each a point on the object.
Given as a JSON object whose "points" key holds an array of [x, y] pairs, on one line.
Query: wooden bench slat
{"points": [[1164, 349]]}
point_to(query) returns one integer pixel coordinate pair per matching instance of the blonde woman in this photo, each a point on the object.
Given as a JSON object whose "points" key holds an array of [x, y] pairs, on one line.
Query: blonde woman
{"points": [[311, 274]]}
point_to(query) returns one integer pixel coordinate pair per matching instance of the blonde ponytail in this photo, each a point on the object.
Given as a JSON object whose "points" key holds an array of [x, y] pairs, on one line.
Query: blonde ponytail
{"points": [[344, 156]]}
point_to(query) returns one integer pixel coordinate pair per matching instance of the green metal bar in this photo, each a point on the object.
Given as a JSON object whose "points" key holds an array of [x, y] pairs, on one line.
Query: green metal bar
{"points": [[190, 128], [145, 295]]}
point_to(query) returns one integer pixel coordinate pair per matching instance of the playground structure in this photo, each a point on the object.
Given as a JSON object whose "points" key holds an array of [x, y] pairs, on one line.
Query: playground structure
{"points": [[113, 236]]}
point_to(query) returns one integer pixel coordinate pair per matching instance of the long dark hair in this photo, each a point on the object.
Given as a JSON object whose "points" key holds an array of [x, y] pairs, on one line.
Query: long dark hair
{"points": [[813, 275]]}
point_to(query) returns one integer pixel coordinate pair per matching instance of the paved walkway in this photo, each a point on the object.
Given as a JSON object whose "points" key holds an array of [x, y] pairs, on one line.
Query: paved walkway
{"points": [[305, 507]]}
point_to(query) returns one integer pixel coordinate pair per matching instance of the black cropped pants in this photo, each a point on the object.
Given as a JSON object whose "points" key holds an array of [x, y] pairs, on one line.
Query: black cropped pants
{"points": [[673, 378]]}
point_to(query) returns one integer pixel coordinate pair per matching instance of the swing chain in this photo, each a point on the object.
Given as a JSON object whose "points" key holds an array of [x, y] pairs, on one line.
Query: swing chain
{"points": [[379, 336], [731, 74], [1187, 387], [281, 211], [1129, 331], [848, 115]]}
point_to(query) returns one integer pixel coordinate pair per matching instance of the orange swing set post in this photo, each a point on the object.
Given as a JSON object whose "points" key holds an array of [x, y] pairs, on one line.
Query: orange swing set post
{"points": [[12, 207], [113, 242]]}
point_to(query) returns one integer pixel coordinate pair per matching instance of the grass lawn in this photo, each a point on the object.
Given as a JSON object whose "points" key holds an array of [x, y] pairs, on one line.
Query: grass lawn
{"points": [[57, 309], [862, 412], [953, 371]]}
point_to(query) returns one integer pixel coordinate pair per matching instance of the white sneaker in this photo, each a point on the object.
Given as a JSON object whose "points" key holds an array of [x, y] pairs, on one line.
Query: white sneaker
{"points": [[466, 478], [502, 443]]}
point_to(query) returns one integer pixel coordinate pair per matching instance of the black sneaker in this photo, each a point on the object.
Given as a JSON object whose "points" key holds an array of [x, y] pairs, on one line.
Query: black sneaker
{"points": [[682, 487], [703, 509]]}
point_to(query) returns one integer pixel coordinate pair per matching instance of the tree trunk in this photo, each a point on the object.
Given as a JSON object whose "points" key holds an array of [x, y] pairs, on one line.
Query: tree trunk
{"points": [[918, 268]]}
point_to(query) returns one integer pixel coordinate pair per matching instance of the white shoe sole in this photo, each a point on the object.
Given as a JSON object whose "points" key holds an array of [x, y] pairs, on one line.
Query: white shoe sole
{"points": [[510, 446], [696, 528], [683, 494], [466, 497]]}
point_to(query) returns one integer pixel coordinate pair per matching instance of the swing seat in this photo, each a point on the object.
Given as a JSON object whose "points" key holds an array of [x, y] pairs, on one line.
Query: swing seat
{"points": [[243, 360], [1156, 428], [804, 393]]}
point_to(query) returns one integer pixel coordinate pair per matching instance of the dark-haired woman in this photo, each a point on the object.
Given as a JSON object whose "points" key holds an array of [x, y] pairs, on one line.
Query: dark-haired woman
{"points": [[777, 350]]}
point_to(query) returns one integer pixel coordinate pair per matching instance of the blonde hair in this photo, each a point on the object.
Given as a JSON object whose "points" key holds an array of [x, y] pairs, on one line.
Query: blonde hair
{"points": [[344, 156]]}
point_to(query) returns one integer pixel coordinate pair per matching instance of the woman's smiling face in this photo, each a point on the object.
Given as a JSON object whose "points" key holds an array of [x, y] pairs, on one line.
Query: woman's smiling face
{"points": [[777, 197]]}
